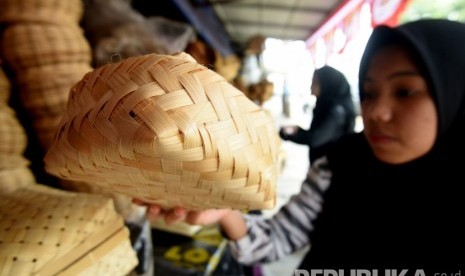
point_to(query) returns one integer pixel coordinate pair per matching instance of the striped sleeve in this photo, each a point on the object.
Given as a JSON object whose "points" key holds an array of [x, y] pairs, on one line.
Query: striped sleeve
{"points": [[288, 230]]}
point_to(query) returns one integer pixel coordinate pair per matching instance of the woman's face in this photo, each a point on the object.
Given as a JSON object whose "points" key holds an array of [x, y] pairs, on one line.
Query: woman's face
{"points": [[315, 87], [399, 114]]}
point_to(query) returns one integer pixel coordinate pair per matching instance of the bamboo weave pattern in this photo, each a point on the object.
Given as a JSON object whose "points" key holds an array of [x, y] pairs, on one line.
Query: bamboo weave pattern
{"points": [[169, 131], [44, 231]]}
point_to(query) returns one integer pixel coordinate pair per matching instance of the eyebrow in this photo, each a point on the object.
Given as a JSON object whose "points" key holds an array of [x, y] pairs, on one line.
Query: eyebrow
{"points": [[396, 74]]}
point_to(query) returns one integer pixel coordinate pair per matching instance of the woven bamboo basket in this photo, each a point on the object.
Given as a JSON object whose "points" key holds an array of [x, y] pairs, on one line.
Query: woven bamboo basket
{"points": [[42, 11], [13, 140], [169, 131], [5, 86], [14, 170], [31, 45], [44, 90], [15, 178], [45, 128], [45, 231]]}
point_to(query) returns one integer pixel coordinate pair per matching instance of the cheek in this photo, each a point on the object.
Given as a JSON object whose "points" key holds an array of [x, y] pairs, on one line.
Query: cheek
{"points": [[420, 129]]}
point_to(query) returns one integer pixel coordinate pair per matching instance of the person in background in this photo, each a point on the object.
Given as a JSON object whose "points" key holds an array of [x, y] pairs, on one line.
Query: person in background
{"points": [[333, 115], [392, 196]]}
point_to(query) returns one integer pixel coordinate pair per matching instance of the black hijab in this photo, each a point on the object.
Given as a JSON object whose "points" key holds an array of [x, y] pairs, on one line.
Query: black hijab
{"points": [[334, 90], [439, 49], [409, 215]]}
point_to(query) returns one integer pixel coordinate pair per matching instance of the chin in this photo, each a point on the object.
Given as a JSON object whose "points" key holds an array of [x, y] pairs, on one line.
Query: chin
{"points": [[394, 159]]}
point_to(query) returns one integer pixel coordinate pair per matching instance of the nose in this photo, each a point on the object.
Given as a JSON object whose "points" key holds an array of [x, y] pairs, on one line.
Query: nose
{"points": [[379, 109]]}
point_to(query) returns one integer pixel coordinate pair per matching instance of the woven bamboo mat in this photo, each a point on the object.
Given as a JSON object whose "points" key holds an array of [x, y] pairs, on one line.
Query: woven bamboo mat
{"points": [[44, 231], [169, 131]]}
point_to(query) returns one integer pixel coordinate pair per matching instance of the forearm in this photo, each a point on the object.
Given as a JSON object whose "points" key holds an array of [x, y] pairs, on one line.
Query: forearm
{"points": [[233, 225], [288, 230], [301, 136]]}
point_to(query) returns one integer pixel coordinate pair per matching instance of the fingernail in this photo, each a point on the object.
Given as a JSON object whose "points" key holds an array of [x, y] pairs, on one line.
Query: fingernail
{"points": [[179, 211], [154, 210]]}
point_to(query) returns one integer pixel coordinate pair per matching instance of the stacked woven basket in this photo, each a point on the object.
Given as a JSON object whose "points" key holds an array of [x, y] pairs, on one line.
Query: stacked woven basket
{"points": [[45, 231], [45, 47], [169, 131], [14, 170]]}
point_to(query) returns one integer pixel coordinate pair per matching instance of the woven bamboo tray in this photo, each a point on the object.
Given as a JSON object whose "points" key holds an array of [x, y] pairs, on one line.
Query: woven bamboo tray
{"points": [[42, 11], [45, 231], [168, 131], [31, 45]]}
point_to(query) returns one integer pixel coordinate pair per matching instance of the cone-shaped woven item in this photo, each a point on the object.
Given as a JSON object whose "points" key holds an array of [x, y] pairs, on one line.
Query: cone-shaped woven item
{"points": [[169, 131], [45, 231]]}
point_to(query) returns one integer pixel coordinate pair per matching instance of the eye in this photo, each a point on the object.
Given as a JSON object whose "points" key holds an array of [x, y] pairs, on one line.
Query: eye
{"points": [[404, 93], [368, 95]]}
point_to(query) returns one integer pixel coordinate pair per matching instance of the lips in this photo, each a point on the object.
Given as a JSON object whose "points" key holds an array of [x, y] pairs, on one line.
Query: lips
{"points": [[380, 138]]}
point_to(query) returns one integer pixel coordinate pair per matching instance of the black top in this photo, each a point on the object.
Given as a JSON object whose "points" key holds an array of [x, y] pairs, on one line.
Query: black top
{"points": [[376, 215]]}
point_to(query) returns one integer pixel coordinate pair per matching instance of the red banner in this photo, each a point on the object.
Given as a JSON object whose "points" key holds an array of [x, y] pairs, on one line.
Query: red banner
{"points": [[387, 12]]}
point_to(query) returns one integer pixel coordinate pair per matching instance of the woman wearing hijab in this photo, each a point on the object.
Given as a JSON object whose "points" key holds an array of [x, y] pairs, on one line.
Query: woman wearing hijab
{"points": [[395, 198], [333, 115]]}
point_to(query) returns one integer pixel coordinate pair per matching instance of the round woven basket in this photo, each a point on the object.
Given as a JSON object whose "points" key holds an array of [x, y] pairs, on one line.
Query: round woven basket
{"points": [[169, 131], [31, 45], [15, 178], [5, 86], [43, 11], [13, 140], [44, 90], [46, 231], [45, 128]]}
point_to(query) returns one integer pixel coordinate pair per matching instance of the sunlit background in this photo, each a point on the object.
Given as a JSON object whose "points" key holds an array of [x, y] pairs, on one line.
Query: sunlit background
{"points": [[289, 65]]}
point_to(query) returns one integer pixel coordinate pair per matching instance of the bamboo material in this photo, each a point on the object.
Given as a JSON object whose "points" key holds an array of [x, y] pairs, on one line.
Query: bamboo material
{"points": [[12, 136], [169, 131], [45, 231], [32, 45], [5, 86], [14, 170], [41, 11], [44, 90], [12, 140], [15, 178]]}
